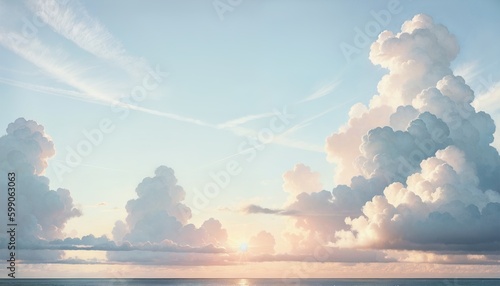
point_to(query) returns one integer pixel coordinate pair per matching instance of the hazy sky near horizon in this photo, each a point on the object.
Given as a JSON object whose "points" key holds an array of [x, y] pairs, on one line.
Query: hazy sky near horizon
{"points": [[207, 138]]}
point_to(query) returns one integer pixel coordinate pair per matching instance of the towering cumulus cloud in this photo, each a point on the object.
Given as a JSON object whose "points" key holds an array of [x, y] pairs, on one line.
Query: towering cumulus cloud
{"points": [[42, 212], [157, 217], [417, 167]]}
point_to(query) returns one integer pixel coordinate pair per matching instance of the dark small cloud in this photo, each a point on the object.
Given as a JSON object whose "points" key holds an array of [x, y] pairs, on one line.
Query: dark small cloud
{"points": [[255, 209]]}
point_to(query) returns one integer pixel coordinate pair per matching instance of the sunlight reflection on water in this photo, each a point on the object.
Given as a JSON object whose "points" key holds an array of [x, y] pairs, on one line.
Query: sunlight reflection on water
{"points": [[243, 282]]}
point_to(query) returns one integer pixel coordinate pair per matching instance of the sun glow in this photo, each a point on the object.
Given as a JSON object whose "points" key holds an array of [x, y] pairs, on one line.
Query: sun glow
{"points": [[243, 247]]}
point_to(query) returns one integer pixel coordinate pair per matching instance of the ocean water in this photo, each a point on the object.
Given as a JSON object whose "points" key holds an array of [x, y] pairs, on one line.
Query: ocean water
{"points": [[251, 282]]}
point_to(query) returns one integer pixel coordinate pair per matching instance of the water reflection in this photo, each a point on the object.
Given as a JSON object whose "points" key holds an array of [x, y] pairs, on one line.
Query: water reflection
{"points": [[243, 282]]}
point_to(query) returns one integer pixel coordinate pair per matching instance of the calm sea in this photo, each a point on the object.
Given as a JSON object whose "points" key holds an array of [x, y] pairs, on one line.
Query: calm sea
{"points": [[252, 282]]}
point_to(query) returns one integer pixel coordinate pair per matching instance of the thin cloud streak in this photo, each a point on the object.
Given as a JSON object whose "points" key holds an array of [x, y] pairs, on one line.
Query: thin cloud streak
{"points": [[323, 91], [95, 36], [86, 32], [84, 97], [69, 94], [281, 139], [243, 120], [53, 63]]}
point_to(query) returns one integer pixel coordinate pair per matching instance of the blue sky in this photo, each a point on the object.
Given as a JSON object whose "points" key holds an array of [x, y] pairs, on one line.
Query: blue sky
{"points": [[227, 77]]}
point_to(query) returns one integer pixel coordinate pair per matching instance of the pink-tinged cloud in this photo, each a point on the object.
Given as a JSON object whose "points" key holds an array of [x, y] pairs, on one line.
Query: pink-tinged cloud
{"points": [[415, 168], [301, 180], [440, 166], [262, 243], [158, 217]]}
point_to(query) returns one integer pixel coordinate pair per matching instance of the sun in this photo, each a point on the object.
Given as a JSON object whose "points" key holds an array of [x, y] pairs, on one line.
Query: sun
{"points": [[243, 247]]}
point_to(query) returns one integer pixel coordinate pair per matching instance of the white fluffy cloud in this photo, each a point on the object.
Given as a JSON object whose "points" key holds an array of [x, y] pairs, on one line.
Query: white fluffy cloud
{"points": [[25, 150], [301, 180], [41, 212], [416, 168], [439, 208], [26, 147], [416, 58], [435, 153], [157, 217], [158, 214], [488, 102], [342, 147]]}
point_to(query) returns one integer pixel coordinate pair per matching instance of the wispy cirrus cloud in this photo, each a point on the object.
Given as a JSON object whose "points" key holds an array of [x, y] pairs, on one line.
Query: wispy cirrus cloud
{"points": [[66, 93], [55, 62], [322, 91], [90, 35], [72, 21], [245, 119]]}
